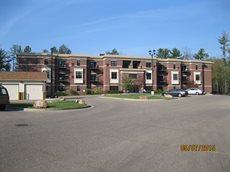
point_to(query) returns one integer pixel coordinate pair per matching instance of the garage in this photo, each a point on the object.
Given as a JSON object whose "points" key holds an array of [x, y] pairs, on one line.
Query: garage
{"points": [[33, 92], [24, 85], [13, 90]]}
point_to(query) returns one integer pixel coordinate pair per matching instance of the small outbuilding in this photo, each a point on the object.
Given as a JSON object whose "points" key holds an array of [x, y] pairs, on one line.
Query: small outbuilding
{"points": [[24, 85]]}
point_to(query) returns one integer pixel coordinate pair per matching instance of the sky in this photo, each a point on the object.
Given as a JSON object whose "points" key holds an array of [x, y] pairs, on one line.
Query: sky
{"points": [[133, 27]]}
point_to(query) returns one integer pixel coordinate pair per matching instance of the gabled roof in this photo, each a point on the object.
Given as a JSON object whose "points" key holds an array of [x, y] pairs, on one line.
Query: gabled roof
{"points": [[23, 76]]}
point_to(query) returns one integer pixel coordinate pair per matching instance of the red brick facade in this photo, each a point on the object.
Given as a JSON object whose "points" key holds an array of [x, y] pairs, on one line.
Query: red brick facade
{"points": [[107, 72]]}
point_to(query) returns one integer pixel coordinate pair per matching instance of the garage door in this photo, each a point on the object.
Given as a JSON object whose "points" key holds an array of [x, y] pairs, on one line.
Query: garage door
{"points": [[33, 92], [12, 90]]}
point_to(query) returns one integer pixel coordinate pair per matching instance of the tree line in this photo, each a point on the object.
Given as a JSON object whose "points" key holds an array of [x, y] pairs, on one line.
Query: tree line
{"points": [[8, 58]]}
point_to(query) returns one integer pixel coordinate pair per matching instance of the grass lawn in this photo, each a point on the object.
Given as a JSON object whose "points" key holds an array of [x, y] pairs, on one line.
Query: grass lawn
{"points": [[136, 96], [51, 104]]}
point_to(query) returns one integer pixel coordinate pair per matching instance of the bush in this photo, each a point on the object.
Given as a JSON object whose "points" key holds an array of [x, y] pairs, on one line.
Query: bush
{"points": [[88, 91], [60, 93], [114, 92], [97, 90], [158, 91], [71, 92]]}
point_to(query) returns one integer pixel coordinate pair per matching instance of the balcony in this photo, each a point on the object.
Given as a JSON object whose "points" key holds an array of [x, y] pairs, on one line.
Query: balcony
{"points": [[185, 70], [93, 67], [185, 79], [94, 80], [63, 79], [162, 70], [162, 81]]}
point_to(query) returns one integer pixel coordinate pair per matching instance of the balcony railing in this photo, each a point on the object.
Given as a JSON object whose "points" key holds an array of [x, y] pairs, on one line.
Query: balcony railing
{"points": [[185, 79], [63, 79], [93, 66], [62, 65], [162, 81], [94, 80]]}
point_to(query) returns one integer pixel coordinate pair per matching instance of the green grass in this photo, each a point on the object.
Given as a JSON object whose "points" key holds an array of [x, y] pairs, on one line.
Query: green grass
{"points": [[51, 104], [65, 104], [135, 96]]}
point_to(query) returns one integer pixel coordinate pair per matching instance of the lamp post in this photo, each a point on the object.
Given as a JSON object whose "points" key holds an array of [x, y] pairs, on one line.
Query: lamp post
{"points": [[51, 77], [152, 53]]}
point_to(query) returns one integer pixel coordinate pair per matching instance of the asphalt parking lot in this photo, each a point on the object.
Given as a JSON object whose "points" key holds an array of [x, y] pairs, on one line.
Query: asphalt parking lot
{"points": [[119, 135]]}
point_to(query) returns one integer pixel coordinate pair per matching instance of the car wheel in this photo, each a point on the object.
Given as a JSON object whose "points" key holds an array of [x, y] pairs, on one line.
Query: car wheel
{"points": [[2, 107], [197, 93], [179, 95]]}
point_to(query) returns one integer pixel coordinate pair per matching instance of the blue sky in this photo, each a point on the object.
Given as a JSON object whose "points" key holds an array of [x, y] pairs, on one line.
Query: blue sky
{"points": [[133, 27]]}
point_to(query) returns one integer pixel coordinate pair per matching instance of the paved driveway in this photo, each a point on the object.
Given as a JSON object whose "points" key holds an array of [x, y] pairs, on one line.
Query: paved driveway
{"points": [[118, 135]]}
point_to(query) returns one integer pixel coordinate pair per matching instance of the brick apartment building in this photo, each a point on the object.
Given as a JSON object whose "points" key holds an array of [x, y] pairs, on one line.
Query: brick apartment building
{"points": [[107, 72]]}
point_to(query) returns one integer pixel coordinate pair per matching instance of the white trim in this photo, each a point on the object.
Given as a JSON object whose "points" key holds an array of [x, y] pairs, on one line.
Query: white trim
{"points": [[148, 81], [197, 81], [132, 72], [79, 80], [48, 70], [113, 81], [174, 81]]}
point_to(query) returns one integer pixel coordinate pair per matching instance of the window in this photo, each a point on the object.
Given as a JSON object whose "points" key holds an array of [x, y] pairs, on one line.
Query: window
{"points": [[3, 92], [174, 66], [175, 77], [133, 76], [148, 76], [46, 61], [126, 64], [113, 75], [197, 77], [93, 77], [113, 63], [113, 88], [78, 88], [148, 64], [78, 62], [79, 74], [196, 67], [93, 64], [136, 64]]}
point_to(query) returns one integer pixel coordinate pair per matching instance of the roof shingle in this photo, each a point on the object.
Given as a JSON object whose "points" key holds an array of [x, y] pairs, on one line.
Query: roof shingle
{"points": [[23, 76]]}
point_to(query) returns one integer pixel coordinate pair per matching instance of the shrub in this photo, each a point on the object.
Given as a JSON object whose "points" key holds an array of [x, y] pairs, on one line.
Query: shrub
{"points": [[114, 92], [158, 91], [60, 93], [71, 92], [97, 90]]}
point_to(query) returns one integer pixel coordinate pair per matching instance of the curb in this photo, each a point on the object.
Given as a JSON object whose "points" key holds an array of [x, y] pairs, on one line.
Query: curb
{"points": [[48, 109], [142, 100]]}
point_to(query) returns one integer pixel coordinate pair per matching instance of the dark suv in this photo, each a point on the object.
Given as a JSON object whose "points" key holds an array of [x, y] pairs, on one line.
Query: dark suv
{"points": [[4, 98]]}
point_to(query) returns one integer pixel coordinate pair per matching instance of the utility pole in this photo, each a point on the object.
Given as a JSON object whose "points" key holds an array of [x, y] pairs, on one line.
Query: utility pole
{"points": [[152, 53]]}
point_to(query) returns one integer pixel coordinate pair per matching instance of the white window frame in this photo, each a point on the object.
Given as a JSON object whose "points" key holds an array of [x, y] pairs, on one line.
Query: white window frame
{"points": [[114, 81], [148, 81], [79, 80], [48, 70], [175, 81], [197, 81]]}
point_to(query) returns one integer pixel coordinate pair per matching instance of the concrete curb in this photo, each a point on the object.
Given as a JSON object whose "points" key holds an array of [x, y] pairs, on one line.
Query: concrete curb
{"points": [[49, 109], [142, 100]]}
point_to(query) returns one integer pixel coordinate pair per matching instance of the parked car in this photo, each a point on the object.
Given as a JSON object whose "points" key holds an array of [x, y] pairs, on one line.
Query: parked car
{"points": [[194, 91], [4, 98], [176, 92]]}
